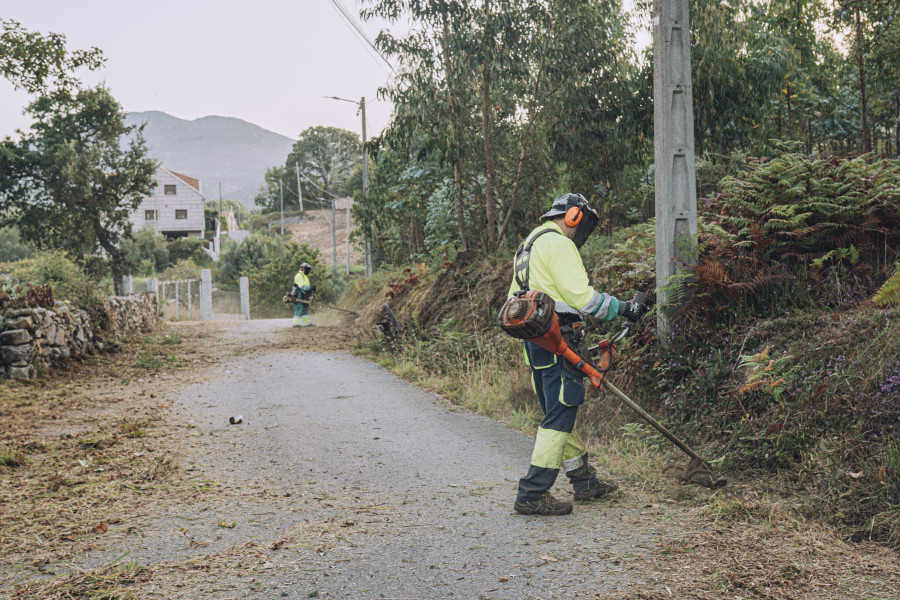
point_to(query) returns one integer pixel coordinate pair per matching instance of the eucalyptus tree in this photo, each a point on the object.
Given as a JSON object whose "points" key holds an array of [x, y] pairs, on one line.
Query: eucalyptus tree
{"points": [[735, 74], [874, 32], [432, 91]]}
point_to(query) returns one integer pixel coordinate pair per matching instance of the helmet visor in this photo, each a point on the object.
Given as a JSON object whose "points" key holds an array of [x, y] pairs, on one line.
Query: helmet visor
{"points": [[586, 227]]}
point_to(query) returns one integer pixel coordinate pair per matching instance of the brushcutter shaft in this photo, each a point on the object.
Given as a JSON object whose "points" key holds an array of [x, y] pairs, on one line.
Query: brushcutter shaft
{"points": [[336, 308], [647, 417]]}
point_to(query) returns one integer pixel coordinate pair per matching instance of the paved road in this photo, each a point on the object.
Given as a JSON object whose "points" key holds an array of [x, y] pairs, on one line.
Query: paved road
{"points": [[371, 488]]}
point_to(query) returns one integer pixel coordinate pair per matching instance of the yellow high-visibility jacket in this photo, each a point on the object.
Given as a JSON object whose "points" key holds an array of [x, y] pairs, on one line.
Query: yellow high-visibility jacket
{"points": [[301, 285], [301, 280], [556, 269]]}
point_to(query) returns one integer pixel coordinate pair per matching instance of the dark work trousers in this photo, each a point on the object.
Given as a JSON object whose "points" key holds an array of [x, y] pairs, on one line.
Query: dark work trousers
{"points": [[559, 393]]}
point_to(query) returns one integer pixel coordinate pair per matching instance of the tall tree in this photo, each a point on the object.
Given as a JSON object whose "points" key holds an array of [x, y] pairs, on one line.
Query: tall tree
{"points": [[328, 156], [39, 63], [74, 179]]}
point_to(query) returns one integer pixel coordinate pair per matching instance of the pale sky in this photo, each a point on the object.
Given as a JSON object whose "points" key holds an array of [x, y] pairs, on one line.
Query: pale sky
{"points": [[269, 62]]}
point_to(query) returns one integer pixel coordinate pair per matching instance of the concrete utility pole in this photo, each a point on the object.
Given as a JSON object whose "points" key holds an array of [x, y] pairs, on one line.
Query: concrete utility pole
{"points": [[673, 131], [365, 184], [365, 172], [348, 236]]}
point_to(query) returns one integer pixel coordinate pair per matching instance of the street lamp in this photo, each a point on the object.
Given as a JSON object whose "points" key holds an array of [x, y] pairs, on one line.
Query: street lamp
{"points": [[281, 195], [365, 175]]}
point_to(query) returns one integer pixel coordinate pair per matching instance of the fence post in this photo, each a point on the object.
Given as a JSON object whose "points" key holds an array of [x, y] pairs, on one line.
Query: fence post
{"points": [[176, 301], [127, 285], [205, 295], [245, 297], [153, 285], [190, 316]]}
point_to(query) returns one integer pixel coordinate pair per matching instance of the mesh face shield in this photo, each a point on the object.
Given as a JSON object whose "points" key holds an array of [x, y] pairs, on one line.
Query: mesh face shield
{"points": [[586, 227]]}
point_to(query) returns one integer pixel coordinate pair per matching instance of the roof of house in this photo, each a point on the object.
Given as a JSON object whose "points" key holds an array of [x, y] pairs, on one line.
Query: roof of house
{"points": [[194, 183]]}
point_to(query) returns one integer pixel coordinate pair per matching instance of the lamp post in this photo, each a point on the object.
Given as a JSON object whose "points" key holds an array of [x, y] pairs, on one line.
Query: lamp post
{"points": [[365, 174], [281, 196]]}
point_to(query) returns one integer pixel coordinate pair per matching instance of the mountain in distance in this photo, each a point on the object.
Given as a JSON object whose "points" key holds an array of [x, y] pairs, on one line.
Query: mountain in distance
{"points": [[214, 150]]}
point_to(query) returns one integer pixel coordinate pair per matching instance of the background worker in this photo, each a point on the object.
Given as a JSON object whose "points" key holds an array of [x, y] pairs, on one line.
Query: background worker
{"points": [[302, 290], [548, 260]]}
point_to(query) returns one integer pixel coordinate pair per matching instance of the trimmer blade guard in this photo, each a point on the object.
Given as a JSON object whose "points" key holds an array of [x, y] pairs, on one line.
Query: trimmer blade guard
{"points": [[696, 472]]}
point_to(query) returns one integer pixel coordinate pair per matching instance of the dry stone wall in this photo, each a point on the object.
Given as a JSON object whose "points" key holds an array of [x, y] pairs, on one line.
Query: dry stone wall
{"points": [[39, 338]]}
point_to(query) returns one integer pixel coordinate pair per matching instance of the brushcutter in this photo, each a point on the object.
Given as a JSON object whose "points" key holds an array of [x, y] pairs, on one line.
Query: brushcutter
{"points": [[290, 299], [531, 316]]}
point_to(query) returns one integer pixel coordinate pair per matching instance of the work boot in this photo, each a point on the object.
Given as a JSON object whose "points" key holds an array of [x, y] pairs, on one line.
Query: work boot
{"points": [[546, 504], [586, 485]]}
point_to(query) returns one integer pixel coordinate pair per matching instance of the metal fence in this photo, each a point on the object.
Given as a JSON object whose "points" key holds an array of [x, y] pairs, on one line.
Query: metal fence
{"points": [[187, 298]]}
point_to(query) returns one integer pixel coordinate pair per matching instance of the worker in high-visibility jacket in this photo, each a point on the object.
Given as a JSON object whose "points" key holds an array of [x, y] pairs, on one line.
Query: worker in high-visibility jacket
{"points": [[302, 290], [548, 260]]}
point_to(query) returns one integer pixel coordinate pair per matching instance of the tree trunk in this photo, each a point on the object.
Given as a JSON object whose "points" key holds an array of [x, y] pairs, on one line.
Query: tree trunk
{"points": [[457, 137], [489, 202], [897, 98], [780, 126], [860, 50], [523, 150], [790, 113]]}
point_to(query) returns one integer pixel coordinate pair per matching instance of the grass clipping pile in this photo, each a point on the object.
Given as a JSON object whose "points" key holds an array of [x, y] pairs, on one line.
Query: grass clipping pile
{"points": [[72, 469], [754, 547]]}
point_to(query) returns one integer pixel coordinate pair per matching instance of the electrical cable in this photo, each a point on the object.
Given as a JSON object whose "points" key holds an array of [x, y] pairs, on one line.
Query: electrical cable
{"points": [[357, 30]]}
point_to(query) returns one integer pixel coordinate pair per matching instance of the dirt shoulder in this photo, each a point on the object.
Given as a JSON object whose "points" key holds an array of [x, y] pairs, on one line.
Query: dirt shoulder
{"points": [[112, 483]]}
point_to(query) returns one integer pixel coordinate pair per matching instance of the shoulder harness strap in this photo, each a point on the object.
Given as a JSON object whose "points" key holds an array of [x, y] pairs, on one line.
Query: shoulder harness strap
{"points": [[521, 264]]}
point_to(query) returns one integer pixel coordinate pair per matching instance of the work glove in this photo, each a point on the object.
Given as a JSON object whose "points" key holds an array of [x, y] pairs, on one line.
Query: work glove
{"points": [[312, 289], [632, 310]]}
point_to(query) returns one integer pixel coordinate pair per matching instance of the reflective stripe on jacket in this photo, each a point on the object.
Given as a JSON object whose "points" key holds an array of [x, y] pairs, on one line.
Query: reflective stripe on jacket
{"points": [[556, 269]]}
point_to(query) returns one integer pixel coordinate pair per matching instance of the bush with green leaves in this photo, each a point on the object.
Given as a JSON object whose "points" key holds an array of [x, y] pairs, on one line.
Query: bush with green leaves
{"points": [[239, 258], [64, 276], [183, 269], [12, 246], [146, 252], [188, 248], [270, 264]]}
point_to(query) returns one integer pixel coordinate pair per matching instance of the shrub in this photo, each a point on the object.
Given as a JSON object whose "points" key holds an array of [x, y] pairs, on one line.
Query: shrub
{"points": [[145, 253], [12, 247], [188, 248], [238, 259], [270, 281], [270, 264], [66, 278], [183, 269]]}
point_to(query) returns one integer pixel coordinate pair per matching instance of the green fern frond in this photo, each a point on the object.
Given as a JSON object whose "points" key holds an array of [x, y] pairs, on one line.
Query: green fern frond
{"points": [[889, 293]]}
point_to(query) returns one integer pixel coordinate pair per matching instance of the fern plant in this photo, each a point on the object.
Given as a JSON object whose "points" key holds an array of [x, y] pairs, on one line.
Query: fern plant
{"points": [[765, 374], [889, 293]]}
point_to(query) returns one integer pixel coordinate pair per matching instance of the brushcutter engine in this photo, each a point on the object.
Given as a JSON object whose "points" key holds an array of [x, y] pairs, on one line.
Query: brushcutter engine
{"points": [[528, 314]]}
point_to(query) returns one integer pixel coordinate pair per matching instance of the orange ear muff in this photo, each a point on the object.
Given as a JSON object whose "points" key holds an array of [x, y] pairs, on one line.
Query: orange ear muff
{"points": [[574, 216]]}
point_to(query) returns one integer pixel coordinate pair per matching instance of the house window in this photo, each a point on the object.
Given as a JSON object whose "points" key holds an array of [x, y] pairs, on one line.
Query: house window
{"points": [[169, 189], [149, 215], [181, 214]]}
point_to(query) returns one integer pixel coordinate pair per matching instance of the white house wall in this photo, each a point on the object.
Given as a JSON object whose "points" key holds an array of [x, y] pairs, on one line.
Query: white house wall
{"points": [[164, 207]]}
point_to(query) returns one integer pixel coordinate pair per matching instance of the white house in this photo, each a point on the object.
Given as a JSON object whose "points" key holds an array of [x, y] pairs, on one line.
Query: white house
{"points": [[174, 207]]}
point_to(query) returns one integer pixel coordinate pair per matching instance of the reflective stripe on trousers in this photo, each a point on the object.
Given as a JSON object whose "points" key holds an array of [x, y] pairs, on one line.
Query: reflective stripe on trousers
{"points": [[559, 395]]}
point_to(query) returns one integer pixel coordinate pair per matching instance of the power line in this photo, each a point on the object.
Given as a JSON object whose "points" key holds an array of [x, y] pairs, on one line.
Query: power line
{"points": [[308, 180], [360, 34]]}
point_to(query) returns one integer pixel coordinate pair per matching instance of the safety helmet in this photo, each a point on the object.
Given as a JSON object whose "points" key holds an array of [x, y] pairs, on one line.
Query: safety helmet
{"points": [[305, 267], [578, 215]]}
